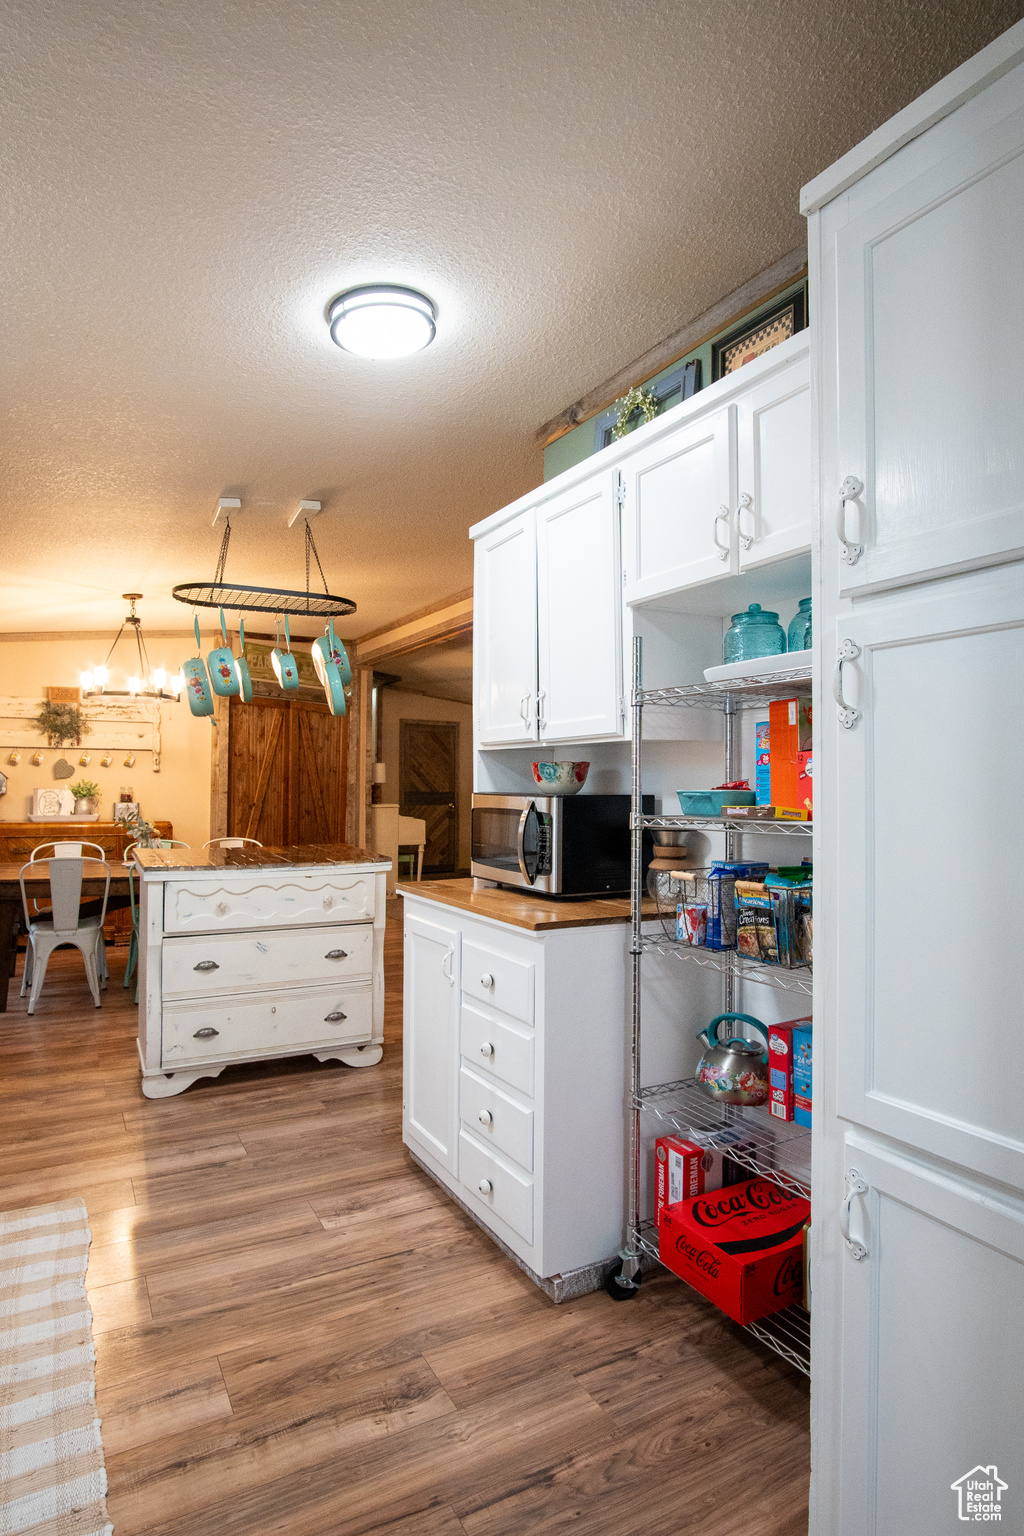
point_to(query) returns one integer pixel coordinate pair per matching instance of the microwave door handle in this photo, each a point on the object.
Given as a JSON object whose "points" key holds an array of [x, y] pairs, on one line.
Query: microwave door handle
{"points": [[520, 836]]}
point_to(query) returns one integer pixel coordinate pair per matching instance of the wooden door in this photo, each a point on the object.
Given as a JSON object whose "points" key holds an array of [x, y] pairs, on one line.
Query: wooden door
{"points": [[428, 787], [505, 632], [286, 775], [579, 592]]}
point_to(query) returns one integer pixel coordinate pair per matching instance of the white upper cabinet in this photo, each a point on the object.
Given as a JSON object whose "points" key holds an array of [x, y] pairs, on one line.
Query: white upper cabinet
{"points": [[579, 592], [680, 507], [773, 479], [928, 266], [505, 632]]}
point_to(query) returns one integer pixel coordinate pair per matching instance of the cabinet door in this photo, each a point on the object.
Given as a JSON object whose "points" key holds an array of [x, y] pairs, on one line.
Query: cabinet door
{"points": [[431, 1038], [579, 593], [678, 501], [929, 958], [931, 1357], [505, 632], [930, 370], [773, 481]]}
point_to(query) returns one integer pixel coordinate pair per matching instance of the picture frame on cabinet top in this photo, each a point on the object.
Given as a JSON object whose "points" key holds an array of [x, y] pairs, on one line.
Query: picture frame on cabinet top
{"points": [[754, 337]]}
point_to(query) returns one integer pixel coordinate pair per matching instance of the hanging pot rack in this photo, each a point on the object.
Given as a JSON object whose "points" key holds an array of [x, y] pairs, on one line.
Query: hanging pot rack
{"points": [[240, 598]]}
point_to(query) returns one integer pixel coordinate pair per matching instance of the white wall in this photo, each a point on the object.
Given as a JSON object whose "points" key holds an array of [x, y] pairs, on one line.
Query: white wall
{"points": [[396, 707]]}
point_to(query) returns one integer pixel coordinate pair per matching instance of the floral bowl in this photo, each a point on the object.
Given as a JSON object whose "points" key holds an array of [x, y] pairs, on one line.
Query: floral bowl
{"points": [[561, 778]]}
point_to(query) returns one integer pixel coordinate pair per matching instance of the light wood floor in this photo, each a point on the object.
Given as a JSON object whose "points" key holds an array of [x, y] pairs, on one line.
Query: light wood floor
{"points": [[297, 1334]]}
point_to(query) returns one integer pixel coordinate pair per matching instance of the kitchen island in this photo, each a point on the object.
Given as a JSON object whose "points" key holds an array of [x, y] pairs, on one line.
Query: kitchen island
{"points": [[248, 954]]}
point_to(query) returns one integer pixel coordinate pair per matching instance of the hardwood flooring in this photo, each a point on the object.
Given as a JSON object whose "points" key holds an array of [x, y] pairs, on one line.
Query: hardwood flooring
{"points": [[297, 1334]]}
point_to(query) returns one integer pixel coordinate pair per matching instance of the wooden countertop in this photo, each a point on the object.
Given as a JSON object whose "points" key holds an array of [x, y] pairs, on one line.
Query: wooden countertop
{"points": [[313, 855], [537, 913]]}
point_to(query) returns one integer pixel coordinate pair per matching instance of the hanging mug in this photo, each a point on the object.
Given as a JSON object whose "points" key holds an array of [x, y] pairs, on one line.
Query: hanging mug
{"points": [[197, 687], [224, 677], [332, 668], [244, 680], [283, 662]]}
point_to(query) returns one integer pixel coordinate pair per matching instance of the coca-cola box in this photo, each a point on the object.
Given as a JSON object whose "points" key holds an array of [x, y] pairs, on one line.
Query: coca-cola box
{"points": [[741, 1247]]}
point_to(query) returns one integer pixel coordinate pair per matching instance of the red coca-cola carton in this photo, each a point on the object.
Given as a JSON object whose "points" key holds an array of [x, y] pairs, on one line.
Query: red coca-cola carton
{"points": [[682, 1169], [741, 1247]]}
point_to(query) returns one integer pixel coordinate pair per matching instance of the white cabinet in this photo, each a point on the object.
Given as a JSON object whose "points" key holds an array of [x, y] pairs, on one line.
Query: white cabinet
{"points": [[431, 1036], [929, 277], [505, 632], [679, 492], [773, 479], [579, 596]]}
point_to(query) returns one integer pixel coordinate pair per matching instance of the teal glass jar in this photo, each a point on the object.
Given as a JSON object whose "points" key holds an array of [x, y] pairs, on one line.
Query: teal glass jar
{"points": [[800, 627], [754, 633]]}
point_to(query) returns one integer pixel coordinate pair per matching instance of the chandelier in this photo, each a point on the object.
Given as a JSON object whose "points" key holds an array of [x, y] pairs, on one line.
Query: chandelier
{"points": [[144, 683]]}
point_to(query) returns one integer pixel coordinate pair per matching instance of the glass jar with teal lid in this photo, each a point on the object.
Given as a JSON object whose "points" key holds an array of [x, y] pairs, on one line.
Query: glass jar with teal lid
{"points": [[800, 627], [754, 633]]}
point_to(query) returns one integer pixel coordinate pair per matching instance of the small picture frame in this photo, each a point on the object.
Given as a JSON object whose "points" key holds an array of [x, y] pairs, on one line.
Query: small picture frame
{"points": [[126, 810], [757, 336]]}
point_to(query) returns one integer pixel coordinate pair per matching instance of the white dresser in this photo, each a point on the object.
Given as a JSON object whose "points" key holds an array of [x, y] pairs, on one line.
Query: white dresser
{"points": [[249, 954]]}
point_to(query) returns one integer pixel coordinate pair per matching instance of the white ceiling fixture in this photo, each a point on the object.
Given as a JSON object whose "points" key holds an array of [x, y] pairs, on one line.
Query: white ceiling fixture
{"points": [[227, 505], [382, 320], [305, 509]]}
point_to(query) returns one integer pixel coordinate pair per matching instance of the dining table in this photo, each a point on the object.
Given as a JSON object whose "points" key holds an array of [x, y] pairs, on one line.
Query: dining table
{"points": [[37, 887]]}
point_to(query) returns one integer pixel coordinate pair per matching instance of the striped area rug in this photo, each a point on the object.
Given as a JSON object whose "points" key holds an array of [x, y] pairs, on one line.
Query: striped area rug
{"points": [[52, 1478]]}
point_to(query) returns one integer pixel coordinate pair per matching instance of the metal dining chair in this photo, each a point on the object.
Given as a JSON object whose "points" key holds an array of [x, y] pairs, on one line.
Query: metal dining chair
{"points": [[69, 850], [232, 842], [65, 925], [133, 943]]}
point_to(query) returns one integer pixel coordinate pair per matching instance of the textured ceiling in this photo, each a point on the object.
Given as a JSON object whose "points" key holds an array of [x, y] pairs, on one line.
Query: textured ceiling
{"points": [[187, 184]]}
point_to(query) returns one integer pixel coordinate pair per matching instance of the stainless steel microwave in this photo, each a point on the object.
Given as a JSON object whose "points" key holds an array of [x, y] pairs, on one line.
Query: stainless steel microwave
{"points": [[561, 845]]}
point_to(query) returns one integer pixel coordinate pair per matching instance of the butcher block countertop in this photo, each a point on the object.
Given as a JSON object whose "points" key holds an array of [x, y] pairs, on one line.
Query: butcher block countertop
{"points": [[537, 913], [324, 855]]}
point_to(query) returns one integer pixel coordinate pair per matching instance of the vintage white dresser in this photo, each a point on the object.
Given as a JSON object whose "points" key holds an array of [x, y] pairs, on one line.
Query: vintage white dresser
{"points": [[248, 954]]}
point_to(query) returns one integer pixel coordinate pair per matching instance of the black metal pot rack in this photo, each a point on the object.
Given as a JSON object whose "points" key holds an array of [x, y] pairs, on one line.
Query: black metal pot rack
{"points": [[240, 598]]}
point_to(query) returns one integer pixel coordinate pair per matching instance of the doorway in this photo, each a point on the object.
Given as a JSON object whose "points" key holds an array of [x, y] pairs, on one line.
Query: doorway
{"points": [[287, 772], [428, 788]]}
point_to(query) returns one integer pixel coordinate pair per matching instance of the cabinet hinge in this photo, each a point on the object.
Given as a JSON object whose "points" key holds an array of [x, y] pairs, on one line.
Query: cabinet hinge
{"points": [[620, 490], [625, 581]]}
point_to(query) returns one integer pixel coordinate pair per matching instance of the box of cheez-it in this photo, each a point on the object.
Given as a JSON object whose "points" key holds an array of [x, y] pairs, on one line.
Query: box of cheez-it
{"points": [[741, 1247]]}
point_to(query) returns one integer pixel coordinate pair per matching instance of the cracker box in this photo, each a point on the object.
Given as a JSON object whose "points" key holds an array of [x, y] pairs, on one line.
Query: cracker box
{"points": [[762, 763], [742, 1247], [802, 1062], [780, 1103], [789, 723], [683, 1169]]}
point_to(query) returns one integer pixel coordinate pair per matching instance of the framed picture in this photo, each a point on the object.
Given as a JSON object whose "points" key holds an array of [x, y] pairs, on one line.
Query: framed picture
{"points": [[677, 386], [126, 810], [753, 337]]}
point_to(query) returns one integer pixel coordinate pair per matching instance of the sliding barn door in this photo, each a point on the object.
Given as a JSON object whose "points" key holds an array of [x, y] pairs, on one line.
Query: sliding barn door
{"points": [[286, 780]]}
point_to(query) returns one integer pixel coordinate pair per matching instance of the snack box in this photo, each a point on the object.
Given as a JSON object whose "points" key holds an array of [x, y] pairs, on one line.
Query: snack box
{"points": [[684, 1169], [780, 1103], [762, 763], [789, 723], [802, 1062], [742, 1247]]}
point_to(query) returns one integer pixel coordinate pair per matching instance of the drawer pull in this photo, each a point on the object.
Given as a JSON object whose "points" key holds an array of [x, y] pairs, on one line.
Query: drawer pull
{"points": [[206, 965], [485, 1117], [336, 954], [487, 1049], [334, 1018], [205, 1034], [487, 981], [485, 1186]]}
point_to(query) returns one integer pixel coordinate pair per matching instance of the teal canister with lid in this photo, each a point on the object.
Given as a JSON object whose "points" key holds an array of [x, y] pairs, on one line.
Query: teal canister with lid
{"points": [[754, 633], [799, 637]]}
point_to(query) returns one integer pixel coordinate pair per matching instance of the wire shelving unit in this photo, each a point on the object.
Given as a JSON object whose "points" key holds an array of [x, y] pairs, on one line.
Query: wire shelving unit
{"points": [[769, 1148]]}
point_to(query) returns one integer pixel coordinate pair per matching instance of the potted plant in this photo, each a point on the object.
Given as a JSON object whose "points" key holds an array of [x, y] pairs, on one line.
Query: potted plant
{"points": [[141, 831], [85, 792]]}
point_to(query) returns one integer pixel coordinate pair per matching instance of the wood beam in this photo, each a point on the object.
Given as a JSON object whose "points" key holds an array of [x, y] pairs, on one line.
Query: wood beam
{"points": [[443, 621]]}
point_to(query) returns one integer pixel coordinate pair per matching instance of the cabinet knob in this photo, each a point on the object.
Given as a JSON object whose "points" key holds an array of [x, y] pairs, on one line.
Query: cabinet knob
{"points": [[487, 980], [485, 1117], [485, 1186], [487, 1049], [334, 1018], [205, 1034], [206, 965], [336, 954]]}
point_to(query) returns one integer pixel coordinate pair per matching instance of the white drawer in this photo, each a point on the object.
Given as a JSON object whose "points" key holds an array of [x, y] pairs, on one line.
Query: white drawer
{"points": [[498, 1048], [496, 1186], [275, 1022], [260, 900], [499, 980], [213, 964], [496, 1119]]}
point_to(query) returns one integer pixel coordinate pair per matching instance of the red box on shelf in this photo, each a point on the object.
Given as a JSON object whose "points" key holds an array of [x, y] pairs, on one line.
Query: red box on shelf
{"points": [[683, 1169], [780, 1104], [741, 1247]]}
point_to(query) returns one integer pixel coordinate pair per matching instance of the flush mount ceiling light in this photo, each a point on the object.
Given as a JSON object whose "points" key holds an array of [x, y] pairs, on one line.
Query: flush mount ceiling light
{"points": [[382, 320]]}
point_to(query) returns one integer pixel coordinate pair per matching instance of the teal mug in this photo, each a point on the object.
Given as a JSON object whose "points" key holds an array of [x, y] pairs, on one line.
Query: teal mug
{"points": [[283, 662], [197, 686], [224, 677]]}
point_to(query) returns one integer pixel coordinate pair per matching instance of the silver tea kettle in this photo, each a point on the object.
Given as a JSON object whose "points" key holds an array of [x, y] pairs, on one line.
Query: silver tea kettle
{"points": [[734, 1071]]}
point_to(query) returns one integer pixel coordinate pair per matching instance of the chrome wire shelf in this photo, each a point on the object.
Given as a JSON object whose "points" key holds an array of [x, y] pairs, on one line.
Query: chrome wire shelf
{"points": [[779, 1150], [728, 824], [788, 1333], [730, 694], [730, 963]]}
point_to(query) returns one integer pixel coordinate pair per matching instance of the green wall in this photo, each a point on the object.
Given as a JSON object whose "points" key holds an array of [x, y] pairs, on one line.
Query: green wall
{"points": [[577, 445]]}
